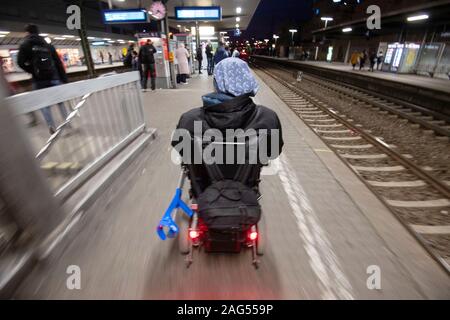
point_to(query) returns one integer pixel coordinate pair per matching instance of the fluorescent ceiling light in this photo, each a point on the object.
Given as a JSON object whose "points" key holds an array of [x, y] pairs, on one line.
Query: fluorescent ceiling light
{"points": [[59, 38], [238, 19], [4, 32], [293, 30], [106, 39], [206, 30], [418, 18], [91, 38], [326, 19], [68, 36], [42, 34], [238, 10], [2, 35], [347, 30]]}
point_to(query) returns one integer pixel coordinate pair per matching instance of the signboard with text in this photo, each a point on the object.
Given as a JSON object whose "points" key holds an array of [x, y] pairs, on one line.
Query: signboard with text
{"points": [[124, 16], [198, 13]]}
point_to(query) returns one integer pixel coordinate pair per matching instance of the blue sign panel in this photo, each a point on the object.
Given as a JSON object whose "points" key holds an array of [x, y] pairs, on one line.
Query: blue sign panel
{"points": [[198, 13], [125, 16]]}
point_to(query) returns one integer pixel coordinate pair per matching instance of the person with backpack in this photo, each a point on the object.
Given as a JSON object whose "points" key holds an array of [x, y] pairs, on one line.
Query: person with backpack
{"points": [[41, 60], [147, 60], [231, 106], [227, 191]]}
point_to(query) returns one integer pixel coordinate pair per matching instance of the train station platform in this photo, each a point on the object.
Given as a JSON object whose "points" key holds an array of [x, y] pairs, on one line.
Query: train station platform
{"points": [[437, 84], [431, 93], [325, 229], [21, 76]]}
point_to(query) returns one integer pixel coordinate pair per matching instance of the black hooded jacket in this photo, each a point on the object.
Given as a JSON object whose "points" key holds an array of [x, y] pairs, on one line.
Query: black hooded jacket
{"points": [[25, 57], [231, 113]]}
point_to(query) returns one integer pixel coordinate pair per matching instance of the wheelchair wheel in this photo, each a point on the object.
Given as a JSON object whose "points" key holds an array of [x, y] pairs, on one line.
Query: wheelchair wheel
{"points": [[182, 220], [262, 236]]}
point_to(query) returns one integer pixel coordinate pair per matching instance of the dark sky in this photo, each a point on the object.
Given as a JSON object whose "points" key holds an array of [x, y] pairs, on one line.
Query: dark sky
{"points": [[271, 15]]}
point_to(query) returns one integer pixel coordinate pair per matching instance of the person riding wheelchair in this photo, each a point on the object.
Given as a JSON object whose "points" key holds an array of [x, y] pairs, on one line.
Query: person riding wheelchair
{"points": [[223, 146]]}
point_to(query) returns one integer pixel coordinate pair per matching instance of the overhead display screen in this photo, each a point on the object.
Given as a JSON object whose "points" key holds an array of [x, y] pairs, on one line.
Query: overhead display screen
{"points": [[125, 16], [198, 13]]}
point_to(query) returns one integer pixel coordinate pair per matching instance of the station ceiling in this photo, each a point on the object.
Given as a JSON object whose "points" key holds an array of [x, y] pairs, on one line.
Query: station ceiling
{"points": [[229, 14]]}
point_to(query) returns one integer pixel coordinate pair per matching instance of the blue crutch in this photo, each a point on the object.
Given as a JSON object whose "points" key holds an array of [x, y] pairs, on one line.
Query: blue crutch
{"points": [[176, 203]]}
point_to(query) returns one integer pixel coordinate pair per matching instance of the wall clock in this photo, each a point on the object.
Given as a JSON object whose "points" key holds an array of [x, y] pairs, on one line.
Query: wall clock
{"points": [[158, 10]]}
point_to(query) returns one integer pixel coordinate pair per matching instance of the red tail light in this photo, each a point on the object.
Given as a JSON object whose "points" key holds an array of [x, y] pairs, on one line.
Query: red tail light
{"points": [[253, 235], [194, 234]]}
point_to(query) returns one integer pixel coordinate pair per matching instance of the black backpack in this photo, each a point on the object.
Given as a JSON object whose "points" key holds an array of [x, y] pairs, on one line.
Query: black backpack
{"points": [[229, 205], [42, 61]]}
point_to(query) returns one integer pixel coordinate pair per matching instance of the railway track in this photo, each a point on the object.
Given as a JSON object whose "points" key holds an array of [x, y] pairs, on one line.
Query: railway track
{"points": [[418, 199]]}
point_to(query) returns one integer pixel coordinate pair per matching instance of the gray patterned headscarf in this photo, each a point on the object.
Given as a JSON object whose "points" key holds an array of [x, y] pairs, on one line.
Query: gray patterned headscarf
{"points": [[233, 76]]}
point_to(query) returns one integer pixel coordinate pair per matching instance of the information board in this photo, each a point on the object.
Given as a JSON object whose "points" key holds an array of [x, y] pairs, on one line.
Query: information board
{"points": [[198, 13], [124, 16]]}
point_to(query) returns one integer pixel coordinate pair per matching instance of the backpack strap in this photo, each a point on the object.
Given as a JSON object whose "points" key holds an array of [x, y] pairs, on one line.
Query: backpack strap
{"points": [[213, 170]]}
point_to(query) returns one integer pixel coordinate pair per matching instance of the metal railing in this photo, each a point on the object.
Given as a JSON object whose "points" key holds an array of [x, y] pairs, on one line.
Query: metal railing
{"points": [[101, 117]]}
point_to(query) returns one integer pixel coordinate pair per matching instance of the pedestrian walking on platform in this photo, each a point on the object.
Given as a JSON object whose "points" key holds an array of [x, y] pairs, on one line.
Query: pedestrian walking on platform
{"points": [[373, 60], [235, 53], [221, 53], [380, 58], [199, 57], [127, 60], [354, 60], [362, 60], [209, 57], [182, 56], [147, 60], [41, 60], [135, 61]]}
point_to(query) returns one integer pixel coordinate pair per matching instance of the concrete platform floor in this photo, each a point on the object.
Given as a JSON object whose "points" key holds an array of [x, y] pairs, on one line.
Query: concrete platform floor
{"points": [[325, 230]]}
